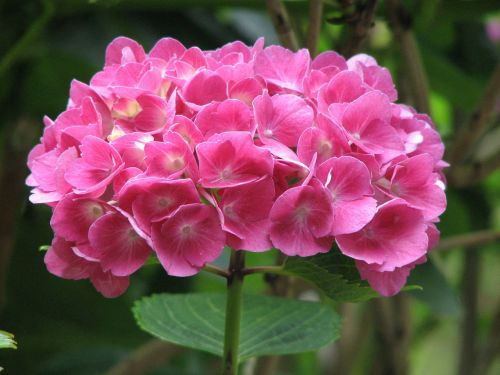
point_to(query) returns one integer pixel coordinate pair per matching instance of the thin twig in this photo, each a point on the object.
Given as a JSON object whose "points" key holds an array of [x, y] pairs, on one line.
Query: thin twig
{"points": [[467, 240], [281, 22], [359, 25], [263, 269], [401, 22], [478, 123], [314, 27], [463, 175], [216, 270], [145, 358]]}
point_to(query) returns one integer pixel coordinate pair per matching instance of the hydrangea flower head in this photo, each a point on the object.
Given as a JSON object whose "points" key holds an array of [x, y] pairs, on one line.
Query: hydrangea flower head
{"points": [[179, 152]]}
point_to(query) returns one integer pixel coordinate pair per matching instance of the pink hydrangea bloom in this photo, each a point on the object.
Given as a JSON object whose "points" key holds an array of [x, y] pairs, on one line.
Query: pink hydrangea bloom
{"points": [[179, 152]]}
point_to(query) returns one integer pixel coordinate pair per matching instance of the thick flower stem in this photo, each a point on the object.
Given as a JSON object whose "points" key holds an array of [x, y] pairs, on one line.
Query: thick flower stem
{"points": [[233, 313]]}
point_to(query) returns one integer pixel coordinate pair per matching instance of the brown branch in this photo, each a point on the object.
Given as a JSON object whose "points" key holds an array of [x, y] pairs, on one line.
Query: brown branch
{"points": [[392, 317], [492, 348], [470, 291], [359, 25], [147, 357], [401, 22], [314, 27], [281, 22], [478, 124], [474, 239]]}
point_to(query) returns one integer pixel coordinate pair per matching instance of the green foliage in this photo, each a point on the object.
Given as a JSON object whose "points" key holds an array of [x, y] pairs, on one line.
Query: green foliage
{"points": [[269, 325], [7, 340], [334, 274]]}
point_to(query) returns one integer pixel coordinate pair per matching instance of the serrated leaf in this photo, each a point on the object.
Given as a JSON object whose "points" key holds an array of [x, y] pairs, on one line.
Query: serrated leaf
{"points": [[334, 274], [7, 340], [269, 325]]}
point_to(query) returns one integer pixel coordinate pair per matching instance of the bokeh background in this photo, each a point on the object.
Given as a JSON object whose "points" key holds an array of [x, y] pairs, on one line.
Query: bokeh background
{"points": [[451, 327]]}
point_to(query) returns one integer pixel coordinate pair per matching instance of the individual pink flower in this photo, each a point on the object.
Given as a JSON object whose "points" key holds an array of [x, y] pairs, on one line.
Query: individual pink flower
{"points": [[394, 238], [99, 163], [232, 159], [348, 181], [188, 239], [282, 117], [301, 221]]}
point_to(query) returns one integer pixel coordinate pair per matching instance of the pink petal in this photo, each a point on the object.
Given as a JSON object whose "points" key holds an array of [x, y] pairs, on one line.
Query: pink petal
{"points": [[232, 159], [62, 261], [167, 49], [283, 67], [282, 117], [204, 88], [301, 219], [122, 50], [188, 239], [229, 115], [117, 246], [394, 238], [73, 217], [109, 285]]}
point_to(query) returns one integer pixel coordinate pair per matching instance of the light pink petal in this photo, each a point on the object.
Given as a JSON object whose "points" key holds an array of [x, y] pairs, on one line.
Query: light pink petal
{"points": [[301, 219], [131, 148], [283, 67], [204, 88], [117, 246], [155, 113], [122, 50], [229, 115], [188, 130], [347, 178], [345, 87], [188, 239], [368, 108], [351, 216], [246, 90], [232, 159], [167, 49], [282, 117], [100, 162]]}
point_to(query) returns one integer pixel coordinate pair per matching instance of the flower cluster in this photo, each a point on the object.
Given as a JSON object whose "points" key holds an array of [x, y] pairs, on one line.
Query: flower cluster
{"points": [[182, 151]]}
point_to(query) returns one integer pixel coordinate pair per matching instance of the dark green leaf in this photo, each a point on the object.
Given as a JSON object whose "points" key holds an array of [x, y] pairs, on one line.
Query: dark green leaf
{"points": [[269, 325], [334, 274]]}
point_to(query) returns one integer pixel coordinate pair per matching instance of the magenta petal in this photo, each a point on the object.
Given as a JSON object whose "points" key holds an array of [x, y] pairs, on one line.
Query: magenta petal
{"points": [[228, 115], [395, 237], [62, 261], [73, 217], [387, 283], [204, 88], [301, 218], [118, 247], [109, 285], [122, 50], [188, 239], [351, 216]]}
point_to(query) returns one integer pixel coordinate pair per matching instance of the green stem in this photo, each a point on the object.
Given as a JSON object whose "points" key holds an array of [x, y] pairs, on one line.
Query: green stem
{"points": [[233, 313]]}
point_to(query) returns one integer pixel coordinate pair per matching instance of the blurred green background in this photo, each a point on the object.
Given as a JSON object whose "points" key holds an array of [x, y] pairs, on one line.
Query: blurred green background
{"points": [[65, 327]]}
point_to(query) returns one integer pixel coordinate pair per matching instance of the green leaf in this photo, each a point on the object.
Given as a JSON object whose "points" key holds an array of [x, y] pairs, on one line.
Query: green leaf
{"points": [[334, 274], [7, 340], [436, 291], [269, 325]]}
